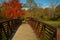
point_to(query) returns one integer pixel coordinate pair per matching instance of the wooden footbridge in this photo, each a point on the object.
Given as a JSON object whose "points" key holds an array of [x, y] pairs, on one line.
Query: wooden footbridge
{"points": [[32, 30]]}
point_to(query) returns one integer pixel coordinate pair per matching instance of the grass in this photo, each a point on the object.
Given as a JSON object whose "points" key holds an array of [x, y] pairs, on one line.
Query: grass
{"points": [[54, 23], [3, 36]]}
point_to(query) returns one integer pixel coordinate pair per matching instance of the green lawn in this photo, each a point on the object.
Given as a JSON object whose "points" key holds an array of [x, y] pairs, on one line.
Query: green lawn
{"points": [[54, 23], [3, 36]]}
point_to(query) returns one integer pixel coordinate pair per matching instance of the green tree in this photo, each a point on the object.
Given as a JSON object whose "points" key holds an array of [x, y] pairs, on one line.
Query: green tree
{"points": [[57, 12], [53, 4]]}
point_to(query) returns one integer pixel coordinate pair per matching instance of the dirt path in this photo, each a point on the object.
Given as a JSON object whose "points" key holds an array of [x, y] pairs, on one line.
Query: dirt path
{"points": [[25, 32]]}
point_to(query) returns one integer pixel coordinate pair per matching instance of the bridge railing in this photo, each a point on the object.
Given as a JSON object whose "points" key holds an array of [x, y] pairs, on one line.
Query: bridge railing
{"points": [[8, 27], [43, 31]]}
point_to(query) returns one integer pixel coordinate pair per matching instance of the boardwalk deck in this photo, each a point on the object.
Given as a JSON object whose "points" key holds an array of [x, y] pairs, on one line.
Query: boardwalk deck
{"points": [[25, 32]]}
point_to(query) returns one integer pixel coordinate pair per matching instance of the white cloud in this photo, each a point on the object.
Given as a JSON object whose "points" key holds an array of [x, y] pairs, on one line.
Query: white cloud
{"points": [[25, 8]]}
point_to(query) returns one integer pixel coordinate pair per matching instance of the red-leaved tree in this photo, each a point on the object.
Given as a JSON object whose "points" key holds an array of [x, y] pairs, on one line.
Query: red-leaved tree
{"points": [[13, 9]]}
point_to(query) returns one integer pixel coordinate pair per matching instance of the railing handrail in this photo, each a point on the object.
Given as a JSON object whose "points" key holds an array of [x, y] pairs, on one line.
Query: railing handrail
{"points": [[42, 22], [6, 20], [38, 26], [8, 27], [51, 30]]}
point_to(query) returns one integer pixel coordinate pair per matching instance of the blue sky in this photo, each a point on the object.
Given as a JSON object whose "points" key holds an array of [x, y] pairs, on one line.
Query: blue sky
{"points": [[44, 3], [41, 2]]}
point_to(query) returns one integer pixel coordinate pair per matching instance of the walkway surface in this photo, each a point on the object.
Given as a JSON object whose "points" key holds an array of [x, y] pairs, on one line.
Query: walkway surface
{"points": [[25, 32]]}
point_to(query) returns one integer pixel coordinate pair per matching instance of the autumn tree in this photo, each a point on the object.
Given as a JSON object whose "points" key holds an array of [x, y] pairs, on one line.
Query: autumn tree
{"points": [[2, 9], [46, 13], [13, 9]]}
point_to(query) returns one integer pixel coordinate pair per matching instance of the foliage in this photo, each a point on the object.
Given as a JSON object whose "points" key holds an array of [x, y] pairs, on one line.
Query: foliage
{"points": [[54, 23], [12, 9], [36, 13], [47, 13], [57, 11]]}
